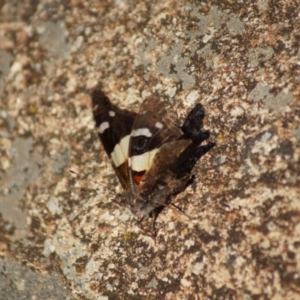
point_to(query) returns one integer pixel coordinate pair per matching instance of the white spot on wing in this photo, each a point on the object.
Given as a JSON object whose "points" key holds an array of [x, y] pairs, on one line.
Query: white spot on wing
{"points": [[111, 113], [103, 126], [143, 161], [141, 131], [120, 152], [95, 107], [158, 125]]}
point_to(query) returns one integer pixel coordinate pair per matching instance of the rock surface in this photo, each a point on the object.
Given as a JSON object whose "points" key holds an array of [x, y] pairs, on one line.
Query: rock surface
{"points": [[61, 237]]}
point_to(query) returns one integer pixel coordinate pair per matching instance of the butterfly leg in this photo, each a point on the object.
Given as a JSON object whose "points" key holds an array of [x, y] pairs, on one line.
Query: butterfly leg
{"points": [[151, 233]]}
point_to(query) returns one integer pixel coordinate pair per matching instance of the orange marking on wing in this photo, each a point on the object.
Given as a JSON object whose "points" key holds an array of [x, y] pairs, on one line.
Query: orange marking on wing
{"points": [[137, 178]]}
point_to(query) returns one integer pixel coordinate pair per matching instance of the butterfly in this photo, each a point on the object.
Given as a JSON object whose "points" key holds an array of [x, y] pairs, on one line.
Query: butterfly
{"points": [[152, 157]]}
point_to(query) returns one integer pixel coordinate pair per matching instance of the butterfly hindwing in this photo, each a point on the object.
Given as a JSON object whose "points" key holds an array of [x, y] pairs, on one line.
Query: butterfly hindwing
{"points": [[154, 145]]}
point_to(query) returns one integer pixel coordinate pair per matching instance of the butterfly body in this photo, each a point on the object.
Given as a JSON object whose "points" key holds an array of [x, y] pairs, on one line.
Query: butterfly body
{"points": [[151, 156]]}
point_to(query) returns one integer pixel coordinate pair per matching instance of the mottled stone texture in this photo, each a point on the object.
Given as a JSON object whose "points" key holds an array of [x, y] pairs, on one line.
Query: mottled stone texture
{"points": [[61, 237]]}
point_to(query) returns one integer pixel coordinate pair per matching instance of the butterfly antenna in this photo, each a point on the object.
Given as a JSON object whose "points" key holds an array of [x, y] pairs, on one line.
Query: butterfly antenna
{"points": [[85, 177], [175, 207]]}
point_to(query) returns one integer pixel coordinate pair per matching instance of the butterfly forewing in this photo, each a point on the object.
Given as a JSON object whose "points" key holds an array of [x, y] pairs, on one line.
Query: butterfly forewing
{"points": [[114, 126]]}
